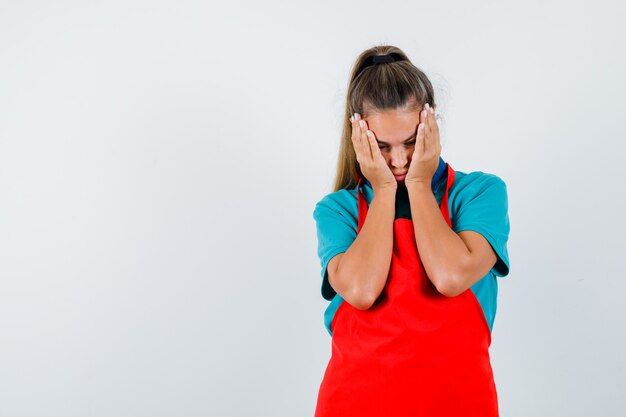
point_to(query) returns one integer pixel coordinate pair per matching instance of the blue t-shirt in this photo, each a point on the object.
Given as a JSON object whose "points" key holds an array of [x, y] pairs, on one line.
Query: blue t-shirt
{"points": [[477, 201]]}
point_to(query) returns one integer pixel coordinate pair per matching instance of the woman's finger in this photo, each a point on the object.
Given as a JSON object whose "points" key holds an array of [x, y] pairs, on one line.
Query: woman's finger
{"points": [[419, 143], [434, 129], [434, 124], [356, 139], [427, 129], [373, 145], [436, 132], [365, 139]]}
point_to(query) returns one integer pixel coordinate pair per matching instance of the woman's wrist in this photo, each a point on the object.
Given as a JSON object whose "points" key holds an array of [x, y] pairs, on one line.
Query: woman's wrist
{"points": [[418, 187], [385, 191]]}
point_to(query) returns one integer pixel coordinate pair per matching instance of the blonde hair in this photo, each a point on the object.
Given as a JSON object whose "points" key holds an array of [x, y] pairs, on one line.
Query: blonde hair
{"points": [[374, 88]]}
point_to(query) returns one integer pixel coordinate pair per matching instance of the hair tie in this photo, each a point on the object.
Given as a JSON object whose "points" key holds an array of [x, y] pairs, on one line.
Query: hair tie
{"points": [[380, 59]]}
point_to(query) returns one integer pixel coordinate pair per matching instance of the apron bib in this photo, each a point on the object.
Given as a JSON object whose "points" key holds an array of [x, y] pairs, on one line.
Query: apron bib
{"points": [[415, 352]]}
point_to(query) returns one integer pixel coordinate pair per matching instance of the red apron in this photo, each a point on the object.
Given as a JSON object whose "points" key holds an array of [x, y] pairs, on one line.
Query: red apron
{"points": [[414, 352]]}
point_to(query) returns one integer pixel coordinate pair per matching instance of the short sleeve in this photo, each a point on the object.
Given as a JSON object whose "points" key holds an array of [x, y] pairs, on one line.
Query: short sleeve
{"points": [[482, 206], [336, 222]]}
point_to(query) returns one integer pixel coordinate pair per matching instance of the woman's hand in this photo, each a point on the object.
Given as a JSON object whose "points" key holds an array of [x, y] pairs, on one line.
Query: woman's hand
{"points": [[425, 159], [372, 163]]}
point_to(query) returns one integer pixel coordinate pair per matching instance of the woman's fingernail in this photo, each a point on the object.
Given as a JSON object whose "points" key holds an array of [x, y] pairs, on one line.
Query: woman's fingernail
{"points": [[362, 123]]}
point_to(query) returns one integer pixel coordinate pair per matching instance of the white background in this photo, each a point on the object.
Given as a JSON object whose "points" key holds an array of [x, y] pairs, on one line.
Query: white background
{"points": [[160, 162]]}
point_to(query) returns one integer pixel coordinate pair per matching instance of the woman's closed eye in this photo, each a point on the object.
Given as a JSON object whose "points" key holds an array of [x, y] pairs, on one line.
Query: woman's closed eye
{"points": [[407, 144]]}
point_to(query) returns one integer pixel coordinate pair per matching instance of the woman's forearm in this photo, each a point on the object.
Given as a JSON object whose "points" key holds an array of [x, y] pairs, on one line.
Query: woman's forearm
{"points": [[363, 269], [441, 250]]}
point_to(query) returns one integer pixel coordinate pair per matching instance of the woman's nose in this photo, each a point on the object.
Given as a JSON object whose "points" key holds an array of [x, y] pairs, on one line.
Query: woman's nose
{"points": [[399, 158]]}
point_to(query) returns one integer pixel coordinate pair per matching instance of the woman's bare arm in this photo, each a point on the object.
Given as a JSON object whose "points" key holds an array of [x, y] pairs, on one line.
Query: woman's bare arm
{"points": [[359, 274]]}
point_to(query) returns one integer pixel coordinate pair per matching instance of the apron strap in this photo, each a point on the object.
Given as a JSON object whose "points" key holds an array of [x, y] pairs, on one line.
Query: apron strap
{"points": [[362, 204], [445, 210]]}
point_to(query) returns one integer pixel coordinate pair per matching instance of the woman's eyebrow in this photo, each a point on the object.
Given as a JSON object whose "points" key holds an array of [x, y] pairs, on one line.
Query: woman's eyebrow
{"points": [[404, 141]]}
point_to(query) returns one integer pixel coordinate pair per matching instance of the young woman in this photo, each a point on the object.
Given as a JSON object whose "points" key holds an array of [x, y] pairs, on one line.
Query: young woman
{"points": [[410, 250]]}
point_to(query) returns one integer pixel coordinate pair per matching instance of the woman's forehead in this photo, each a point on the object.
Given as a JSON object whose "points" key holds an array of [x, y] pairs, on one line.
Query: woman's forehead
{"points": [[393, 126]]}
